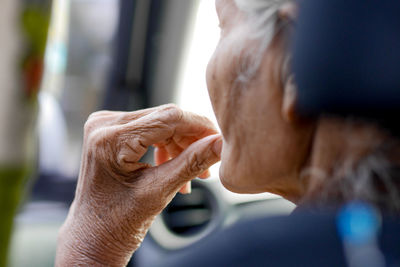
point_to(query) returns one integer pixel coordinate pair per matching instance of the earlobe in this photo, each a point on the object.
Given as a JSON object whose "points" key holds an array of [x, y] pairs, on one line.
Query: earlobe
{"points": [[288, 11], [289, 101]]}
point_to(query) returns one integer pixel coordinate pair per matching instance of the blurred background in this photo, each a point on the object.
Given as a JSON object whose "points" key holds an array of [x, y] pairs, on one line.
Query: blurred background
{"points": [[124, 55]]}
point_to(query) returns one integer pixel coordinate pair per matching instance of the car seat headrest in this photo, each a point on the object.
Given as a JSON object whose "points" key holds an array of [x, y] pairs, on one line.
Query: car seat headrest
{"points": [[346, 58]]}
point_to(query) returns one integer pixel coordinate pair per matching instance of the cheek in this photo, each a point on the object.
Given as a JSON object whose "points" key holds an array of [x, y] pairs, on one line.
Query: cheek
{"points": [[233, 106], [219, 83], [212, 83], [219, 87], [222, 73]]}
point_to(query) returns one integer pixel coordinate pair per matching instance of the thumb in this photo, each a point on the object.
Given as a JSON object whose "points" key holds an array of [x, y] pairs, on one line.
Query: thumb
{"points": [[193, 161]]}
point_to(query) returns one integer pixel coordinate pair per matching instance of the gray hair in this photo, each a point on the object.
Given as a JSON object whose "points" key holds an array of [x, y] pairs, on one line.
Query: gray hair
{"points": [[372, 179], [261, 19]]}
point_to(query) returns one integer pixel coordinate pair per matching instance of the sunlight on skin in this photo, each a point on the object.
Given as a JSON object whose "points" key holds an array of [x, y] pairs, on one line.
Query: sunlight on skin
{"points": [[192, 92]]}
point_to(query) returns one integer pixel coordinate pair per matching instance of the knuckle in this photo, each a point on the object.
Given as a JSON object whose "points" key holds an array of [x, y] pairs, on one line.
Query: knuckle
{"points": [[173, 111], [205, 122], [91, 131], [170, 106], [102, 141], [209, 125], [93, 121], [89, 126], [208, 122], [195, 165], [96, 139], [98, 119]]}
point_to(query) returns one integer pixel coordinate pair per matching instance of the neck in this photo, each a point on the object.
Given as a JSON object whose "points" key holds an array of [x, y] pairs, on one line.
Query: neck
{"points": [[338, 146]]}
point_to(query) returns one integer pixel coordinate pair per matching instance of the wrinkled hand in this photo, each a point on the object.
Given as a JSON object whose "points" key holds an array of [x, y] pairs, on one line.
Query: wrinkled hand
{"points": [[117, 196]]}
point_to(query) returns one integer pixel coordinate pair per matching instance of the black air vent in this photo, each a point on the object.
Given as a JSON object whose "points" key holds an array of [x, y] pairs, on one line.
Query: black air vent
{"points": [[188, 215]]}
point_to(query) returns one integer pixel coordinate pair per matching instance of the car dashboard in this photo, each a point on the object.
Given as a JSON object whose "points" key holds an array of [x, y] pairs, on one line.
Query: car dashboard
{"points": [[208, 209]]}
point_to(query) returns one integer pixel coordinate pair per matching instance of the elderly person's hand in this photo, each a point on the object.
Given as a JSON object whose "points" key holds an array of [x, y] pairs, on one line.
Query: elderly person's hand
{"points": [[117, 196]]}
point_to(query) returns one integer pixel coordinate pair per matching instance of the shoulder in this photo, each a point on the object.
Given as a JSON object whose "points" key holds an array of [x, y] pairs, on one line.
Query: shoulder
{"points": [[301, 238]]}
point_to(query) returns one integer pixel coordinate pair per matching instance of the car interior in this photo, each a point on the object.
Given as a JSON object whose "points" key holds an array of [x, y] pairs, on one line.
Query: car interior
{"points": [[125, 55]]}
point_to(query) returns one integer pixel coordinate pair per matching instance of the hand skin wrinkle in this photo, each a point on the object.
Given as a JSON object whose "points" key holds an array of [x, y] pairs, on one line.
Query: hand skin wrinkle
{"points": [[118, 197]]}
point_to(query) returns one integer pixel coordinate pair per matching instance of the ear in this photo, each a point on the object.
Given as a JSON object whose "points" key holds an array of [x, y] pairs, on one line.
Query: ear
{"points": [[288, 12], [289, 101]]}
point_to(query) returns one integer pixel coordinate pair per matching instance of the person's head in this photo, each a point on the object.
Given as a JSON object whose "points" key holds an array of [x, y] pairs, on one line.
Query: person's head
{"points": [[253, 97], [268, 147]]}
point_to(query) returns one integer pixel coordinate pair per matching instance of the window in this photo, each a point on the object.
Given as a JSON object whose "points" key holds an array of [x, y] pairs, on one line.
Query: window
{"points": [[192, 92]]}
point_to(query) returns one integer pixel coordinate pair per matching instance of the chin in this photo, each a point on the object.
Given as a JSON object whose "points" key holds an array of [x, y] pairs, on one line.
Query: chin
{"points": [[233, 177], [237, 185]]}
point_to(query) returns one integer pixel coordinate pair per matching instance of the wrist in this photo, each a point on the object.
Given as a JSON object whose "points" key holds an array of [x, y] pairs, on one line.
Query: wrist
{"points": [[79, 246]]}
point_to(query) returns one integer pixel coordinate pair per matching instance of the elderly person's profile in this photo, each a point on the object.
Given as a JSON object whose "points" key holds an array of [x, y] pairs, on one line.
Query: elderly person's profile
{"points": [[265, 145]]}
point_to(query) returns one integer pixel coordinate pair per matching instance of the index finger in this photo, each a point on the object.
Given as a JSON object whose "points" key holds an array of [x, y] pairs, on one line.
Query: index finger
{"points": [[168, 122]]}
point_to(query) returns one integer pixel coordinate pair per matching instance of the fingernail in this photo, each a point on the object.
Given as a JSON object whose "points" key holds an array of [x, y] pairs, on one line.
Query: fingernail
{"points": [[186, 189], [217, 147], [206, 174]]}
